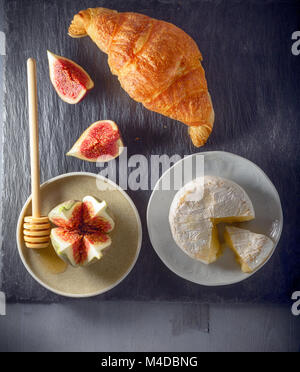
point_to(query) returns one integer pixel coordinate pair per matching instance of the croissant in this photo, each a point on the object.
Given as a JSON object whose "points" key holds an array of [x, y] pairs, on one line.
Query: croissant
{"points": [[157, 64]]}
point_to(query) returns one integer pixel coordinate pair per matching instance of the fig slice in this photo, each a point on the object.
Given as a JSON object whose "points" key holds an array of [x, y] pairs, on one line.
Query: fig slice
{"points": [[70, 80], [67, 214], [82, 232], [100, 142], [95, 215]]}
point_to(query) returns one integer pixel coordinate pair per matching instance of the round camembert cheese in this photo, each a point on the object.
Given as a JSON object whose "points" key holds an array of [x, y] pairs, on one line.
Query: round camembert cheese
{"points": [[251, 249], [198, 207]]}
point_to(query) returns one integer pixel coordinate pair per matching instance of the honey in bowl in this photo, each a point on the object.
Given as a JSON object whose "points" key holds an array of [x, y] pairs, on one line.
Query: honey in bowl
{"points": [[50, 261]]}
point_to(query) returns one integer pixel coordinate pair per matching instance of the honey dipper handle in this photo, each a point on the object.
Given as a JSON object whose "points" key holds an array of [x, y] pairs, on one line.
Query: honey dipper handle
{"points": [[34, 137]]}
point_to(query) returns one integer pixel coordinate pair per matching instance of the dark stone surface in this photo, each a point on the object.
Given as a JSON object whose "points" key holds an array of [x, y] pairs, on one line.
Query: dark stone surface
{"points": [[254, 82]]}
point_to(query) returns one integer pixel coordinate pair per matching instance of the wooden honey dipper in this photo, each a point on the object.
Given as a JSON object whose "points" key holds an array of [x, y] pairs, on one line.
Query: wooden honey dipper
{"points": [[36, 227]]}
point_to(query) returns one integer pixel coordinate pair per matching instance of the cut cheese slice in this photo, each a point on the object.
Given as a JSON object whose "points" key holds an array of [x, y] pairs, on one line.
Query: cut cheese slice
{"points": [[198, 207], [251, 249]]}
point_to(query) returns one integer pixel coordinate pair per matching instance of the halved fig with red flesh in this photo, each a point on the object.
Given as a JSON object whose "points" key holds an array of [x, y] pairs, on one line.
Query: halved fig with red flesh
{"points": [[67, 215], [101, 142], [70, 80], [82, 232]]}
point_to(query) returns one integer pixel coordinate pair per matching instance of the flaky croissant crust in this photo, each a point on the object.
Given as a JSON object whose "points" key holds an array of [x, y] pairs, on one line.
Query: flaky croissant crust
{"points": [[157, 64]]}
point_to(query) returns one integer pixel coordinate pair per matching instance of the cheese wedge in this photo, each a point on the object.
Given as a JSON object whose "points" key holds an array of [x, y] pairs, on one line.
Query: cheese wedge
{"points": [[198, 207], [251, 249]]}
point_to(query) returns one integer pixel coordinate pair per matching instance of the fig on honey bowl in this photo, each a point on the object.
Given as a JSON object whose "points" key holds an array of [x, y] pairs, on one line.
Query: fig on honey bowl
{"points": [[101, 142], [82, 230], [70, 80]]}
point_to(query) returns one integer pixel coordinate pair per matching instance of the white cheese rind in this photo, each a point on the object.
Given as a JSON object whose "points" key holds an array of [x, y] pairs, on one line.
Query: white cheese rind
{"points": [[252, 249], [198, 206]]}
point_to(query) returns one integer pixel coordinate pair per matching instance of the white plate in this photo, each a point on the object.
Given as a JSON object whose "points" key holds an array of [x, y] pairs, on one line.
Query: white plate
{"points": [[117, 261], [258, 186]]}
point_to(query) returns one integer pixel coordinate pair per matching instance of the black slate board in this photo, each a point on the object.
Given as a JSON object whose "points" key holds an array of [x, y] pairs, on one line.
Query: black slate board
{"points": [[254, 82]]}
